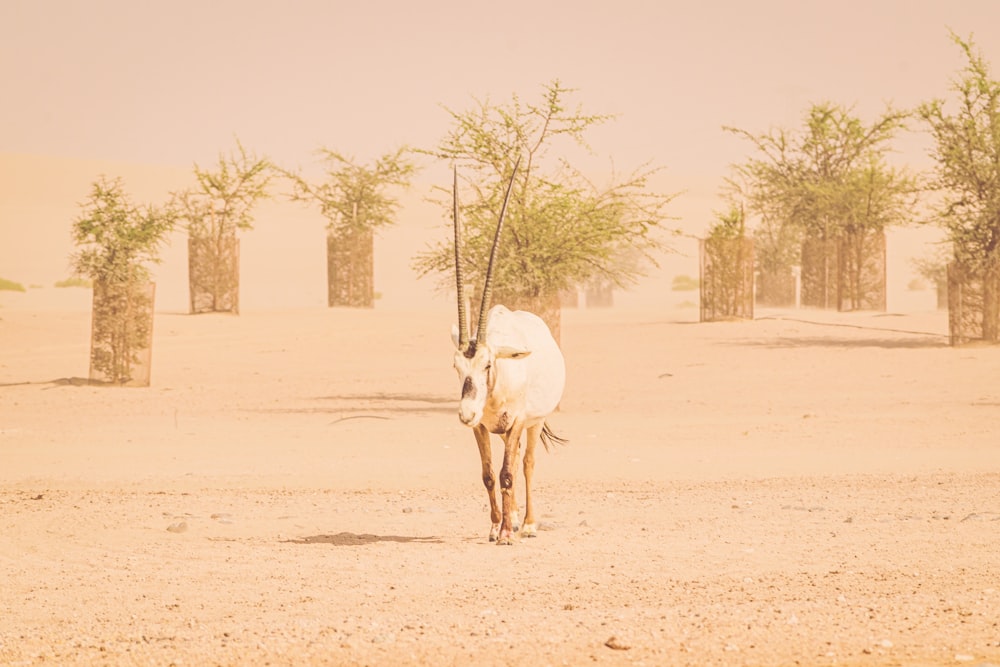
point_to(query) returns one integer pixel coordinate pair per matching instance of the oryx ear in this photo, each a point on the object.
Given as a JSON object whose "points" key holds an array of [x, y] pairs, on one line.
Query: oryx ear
{"points": [[511, 352], [454, 336]]}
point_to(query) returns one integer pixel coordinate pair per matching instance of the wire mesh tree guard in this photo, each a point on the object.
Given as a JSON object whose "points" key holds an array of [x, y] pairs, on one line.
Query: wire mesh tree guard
{"points": [[121, 337], [845, 272], [214, 273], [351, 268], [727, 278], [973, 303]]}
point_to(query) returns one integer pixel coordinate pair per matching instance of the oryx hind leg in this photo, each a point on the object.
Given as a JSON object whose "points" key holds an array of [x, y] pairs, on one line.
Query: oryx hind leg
{"points": [[530, 528], [489, 481]]}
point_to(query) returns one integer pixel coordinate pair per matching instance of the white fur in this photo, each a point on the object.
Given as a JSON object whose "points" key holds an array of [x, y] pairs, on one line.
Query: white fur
{"points": [[511, 383], [529, 367]]}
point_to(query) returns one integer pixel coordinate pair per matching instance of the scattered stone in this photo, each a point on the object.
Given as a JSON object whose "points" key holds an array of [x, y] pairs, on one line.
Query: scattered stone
{"points": [[964, 657], [177, 527], [407, 510], [616, 644], [885, 643]]}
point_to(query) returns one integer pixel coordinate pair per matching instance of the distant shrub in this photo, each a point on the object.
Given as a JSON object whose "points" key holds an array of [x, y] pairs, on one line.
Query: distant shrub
{"points": [[75, 281], [684, 284], [11, 286], [916, 285]]}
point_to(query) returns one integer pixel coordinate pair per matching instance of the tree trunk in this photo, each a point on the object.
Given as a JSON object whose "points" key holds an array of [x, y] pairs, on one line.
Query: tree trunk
{"points": [[861, 270], [818, 261]]}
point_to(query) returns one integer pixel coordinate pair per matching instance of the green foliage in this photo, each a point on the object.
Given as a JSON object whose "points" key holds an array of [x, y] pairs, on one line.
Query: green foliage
{"points": [[967, 153], [829, 178], [355, 196], [224, 199], [11, 286], [683, 283], [561, 229], [75, 281], [729, 225], [116, 238]]}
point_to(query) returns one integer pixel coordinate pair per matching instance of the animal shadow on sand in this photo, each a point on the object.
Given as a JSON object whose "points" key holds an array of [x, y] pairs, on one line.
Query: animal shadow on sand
{"points": [[359, 540]]}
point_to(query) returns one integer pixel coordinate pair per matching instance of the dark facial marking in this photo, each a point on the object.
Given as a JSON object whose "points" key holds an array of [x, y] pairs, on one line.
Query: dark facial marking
{"points": [[470, 351], [468, 389]]}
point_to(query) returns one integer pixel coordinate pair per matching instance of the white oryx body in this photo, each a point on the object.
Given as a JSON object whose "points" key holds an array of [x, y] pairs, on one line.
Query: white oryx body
{"points": [[528, 372], [512, 374]]}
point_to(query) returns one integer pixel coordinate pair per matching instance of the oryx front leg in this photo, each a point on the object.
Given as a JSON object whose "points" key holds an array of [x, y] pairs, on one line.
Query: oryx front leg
{"points": [[512, 443], [489, 481]]}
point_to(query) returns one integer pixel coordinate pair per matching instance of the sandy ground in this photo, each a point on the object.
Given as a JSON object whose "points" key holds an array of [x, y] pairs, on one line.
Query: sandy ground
{"points": [[295, 488]]}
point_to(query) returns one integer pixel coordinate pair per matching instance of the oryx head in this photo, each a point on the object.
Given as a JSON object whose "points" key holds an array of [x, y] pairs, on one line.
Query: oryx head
{"points": [[475, 357]]}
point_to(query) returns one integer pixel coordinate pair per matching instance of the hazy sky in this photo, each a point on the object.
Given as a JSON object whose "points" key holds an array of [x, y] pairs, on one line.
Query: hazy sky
{"points": [[173, 82]]}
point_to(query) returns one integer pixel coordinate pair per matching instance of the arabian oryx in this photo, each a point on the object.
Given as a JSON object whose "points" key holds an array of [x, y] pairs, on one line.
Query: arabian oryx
{"points": [[512, 375]]}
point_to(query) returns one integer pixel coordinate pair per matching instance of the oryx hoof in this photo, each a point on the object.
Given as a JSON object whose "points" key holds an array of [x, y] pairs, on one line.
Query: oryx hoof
{"points": [[494, 532], [505, 539], [529, 530]]}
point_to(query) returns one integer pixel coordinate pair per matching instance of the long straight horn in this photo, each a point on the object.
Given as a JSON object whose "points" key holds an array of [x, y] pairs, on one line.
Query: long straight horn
{"points": [[488, 283], [463, 323]]}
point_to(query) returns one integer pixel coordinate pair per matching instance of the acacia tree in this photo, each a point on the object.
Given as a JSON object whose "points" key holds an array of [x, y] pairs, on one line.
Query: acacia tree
{"points": [[967, 153], [830, 183], [355, 201], [222, 203], [116, 241], [561, 229]]}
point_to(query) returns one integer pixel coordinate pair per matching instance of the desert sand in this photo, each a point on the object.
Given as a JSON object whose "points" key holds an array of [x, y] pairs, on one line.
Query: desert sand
{"points": [[295, 488]]}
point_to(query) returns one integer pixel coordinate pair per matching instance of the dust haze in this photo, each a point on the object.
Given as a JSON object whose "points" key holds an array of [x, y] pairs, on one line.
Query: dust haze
{"points": [[295, 487]]}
